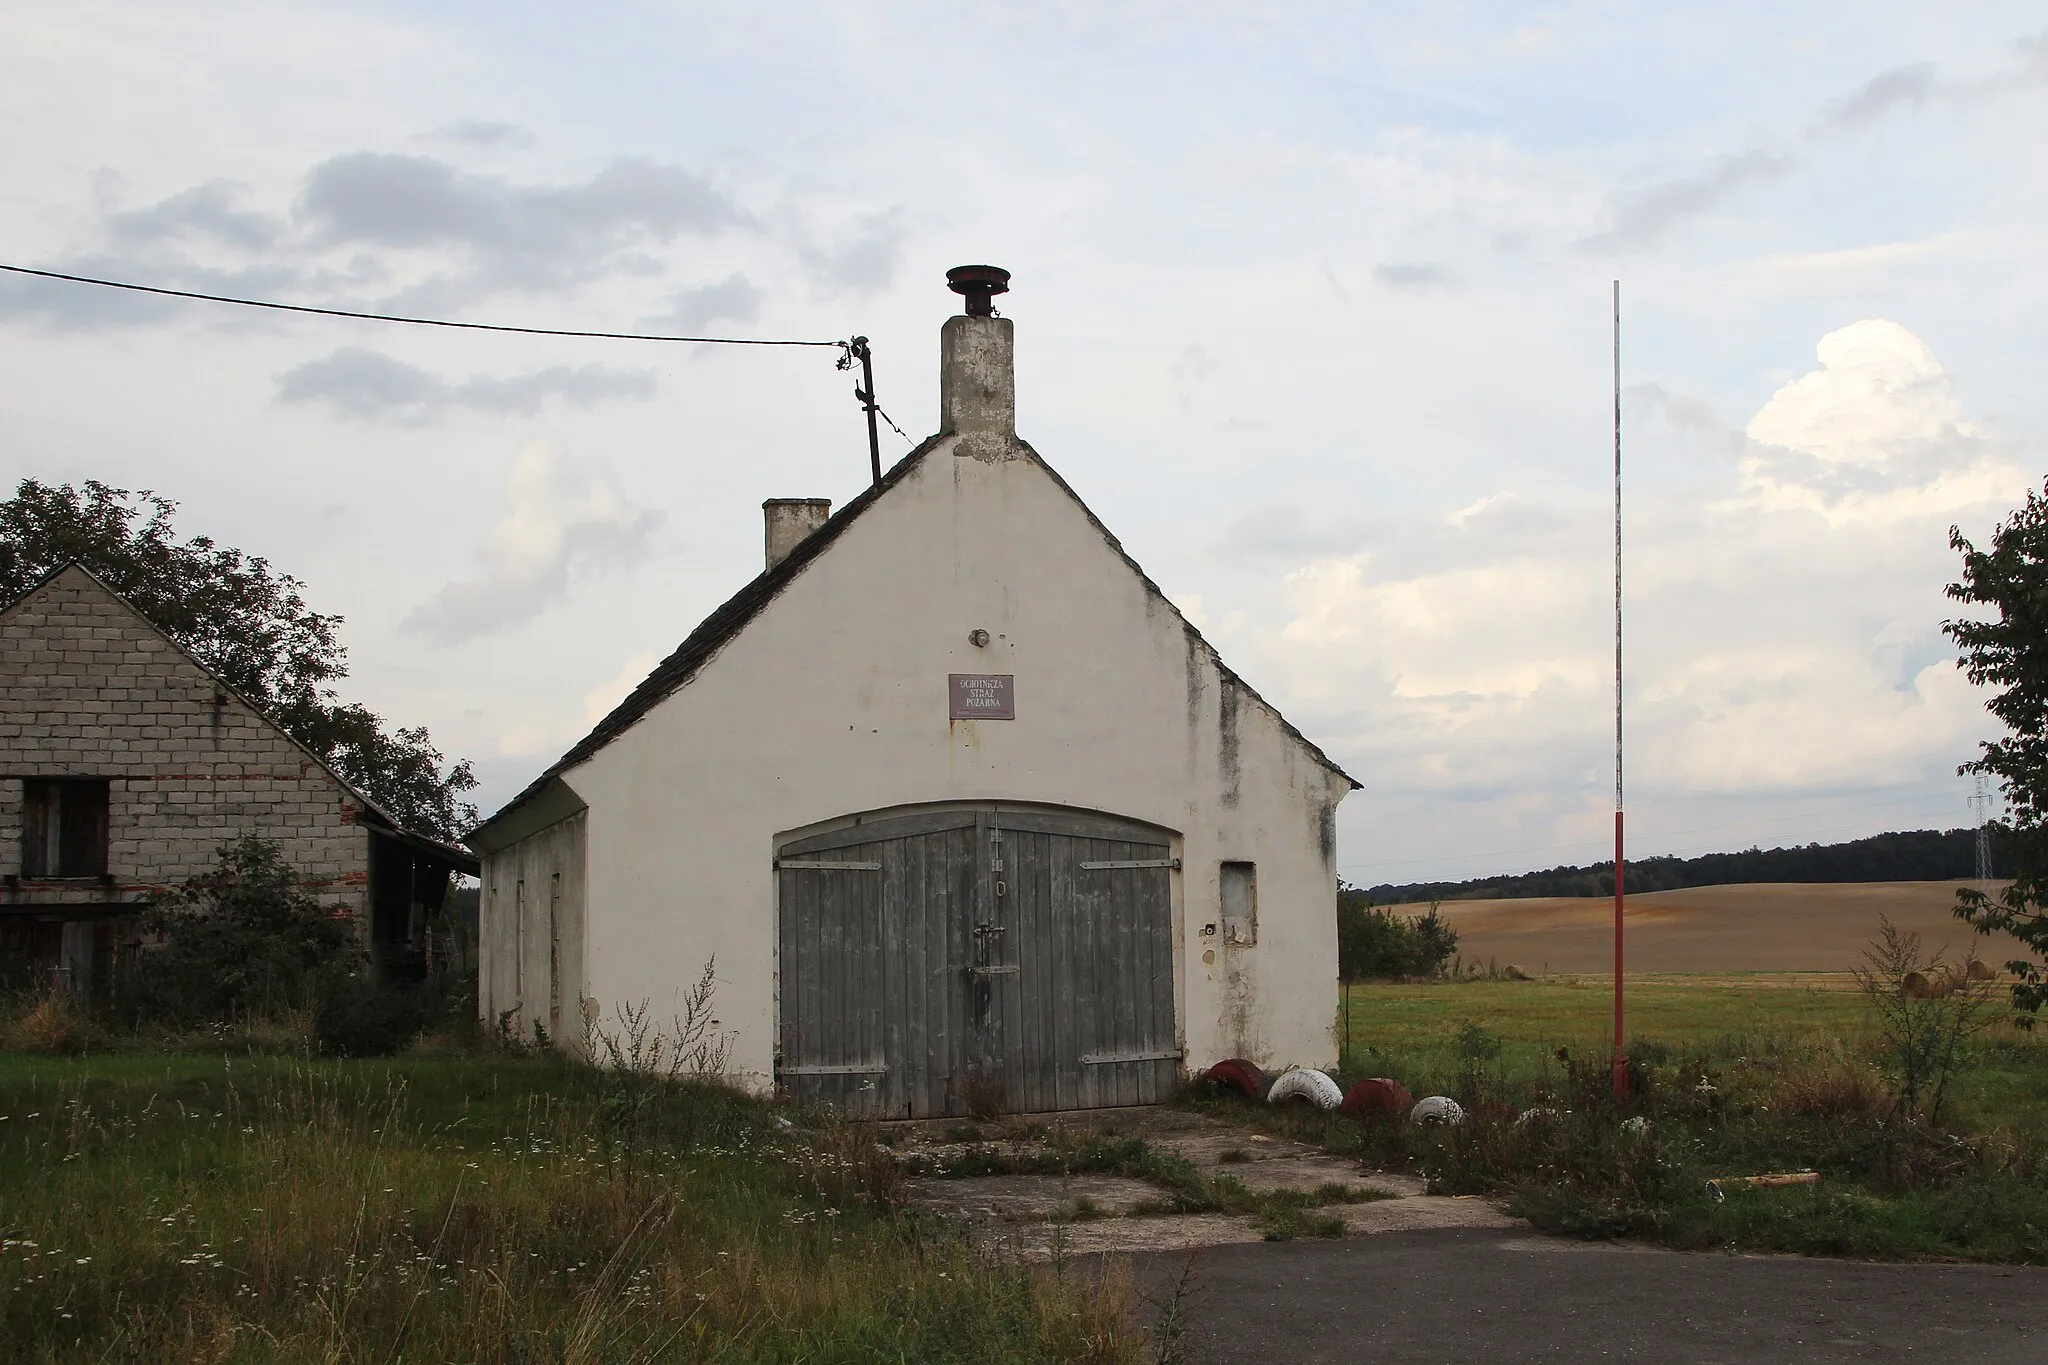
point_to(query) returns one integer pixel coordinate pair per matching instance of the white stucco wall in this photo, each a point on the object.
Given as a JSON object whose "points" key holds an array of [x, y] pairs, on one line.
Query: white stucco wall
{"points": [[834, 700], [531, 935]]}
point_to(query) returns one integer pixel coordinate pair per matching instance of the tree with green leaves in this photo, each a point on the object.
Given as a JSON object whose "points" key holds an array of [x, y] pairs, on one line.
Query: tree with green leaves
{"points": [[245, 621], [2007, 649], [1374, 942]]}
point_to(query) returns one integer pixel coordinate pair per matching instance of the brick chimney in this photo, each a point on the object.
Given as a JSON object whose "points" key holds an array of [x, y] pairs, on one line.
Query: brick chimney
{"points": [[977, 367], [789, 521]]}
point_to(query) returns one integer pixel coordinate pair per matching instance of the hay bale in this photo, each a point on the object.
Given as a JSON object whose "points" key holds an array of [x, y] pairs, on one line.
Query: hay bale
{"points": [[1979, 970]]}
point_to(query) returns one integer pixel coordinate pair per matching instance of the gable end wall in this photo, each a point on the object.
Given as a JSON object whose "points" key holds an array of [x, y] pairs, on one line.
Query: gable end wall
{"points": [[833, 701], [88, 689]]}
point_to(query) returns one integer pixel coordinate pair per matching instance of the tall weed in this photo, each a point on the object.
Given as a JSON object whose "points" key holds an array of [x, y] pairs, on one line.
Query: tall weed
{"points": [[54, 1025], [265, 1208], [1926, 1012]]}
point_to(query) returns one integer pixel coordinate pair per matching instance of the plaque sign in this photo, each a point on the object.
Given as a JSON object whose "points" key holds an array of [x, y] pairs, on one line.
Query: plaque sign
{"points": [[982, 696]]}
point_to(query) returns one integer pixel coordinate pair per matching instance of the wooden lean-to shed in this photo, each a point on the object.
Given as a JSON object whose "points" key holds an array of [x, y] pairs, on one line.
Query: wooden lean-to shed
{"points": [[966, 813]]}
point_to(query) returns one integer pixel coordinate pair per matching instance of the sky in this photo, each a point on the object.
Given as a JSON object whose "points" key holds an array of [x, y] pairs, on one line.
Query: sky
{"points": [[1313, 308]]}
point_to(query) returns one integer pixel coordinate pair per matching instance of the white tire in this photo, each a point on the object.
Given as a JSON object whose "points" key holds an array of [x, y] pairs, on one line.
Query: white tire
{"points": [[1306, 1083], [1437, 1109]]}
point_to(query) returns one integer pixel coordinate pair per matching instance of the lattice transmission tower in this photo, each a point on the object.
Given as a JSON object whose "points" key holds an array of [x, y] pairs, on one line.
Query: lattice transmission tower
{"points": [[1981, 802]]}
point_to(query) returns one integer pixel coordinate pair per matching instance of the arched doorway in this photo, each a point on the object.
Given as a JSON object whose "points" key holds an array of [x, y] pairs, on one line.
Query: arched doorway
{"points": [[977, 958]]}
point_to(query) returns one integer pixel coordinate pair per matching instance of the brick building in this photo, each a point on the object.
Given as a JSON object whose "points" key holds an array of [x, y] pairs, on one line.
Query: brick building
{"points": [[125, 763]]}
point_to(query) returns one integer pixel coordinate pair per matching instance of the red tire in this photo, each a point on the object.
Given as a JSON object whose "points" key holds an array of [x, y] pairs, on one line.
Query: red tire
{"points": [[1239, 1075], [1376, 1097]]}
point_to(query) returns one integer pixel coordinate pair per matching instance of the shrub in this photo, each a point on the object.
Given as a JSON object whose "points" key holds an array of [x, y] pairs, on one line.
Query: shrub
{"points": [[1373, 941], [244, 939], [1477, 1046], [1840, 1089]]}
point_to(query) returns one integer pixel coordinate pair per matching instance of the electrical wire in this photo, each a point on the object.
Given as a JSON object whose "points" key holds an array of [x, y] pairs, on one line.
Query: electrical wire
{"points": [[892, 425], [392, 317]]}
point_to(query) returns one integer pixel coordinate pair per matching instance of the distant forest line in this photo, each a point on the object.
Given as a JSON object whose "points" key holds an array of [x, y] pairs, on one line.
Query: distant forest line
{"points": [[1916, 855]]}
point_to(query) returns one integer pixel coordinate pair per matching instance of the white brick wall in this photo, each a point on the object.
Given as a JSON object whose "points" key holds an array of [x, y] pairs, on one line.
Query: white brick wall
{"points": [[90, 689]]}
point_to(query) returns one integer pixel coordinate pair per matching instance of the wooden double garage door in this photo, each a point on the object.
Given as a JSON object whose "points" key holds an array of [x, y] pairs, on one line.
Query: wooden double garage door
{"points": [[977, 959]]}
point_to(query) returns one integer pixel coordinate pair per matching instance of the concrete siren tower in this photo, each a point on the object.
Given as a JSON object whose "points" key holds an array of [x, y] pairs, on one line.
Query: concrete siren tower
{"points": [[977, 367]]}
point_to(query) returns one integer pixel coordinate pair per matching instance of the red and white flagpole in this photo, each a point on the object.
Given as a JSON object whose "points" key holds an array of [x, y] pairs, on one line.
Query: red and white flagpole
{"points": [[1620, 1052]]}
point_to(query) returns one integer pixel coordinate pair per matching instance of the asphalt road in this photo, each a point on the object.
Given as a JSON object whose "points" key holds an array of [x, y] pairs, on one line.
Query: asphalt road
{"points": [[1471, 1296]]}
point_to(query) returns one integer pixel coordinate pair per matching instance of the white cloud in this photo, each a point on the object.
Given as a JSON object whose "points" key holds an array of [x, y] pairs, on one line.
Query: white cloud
{"points": [[599, 701], [1901, 87], [1415, 275], [1849, 269], [540, 737], [862, 256], [1402, 328], [559, 523], [1644, 216], [1785, 717], [524, 741], [1783, 639], [364, 385], [1878, 385], [1875, 435], [733, 298]]}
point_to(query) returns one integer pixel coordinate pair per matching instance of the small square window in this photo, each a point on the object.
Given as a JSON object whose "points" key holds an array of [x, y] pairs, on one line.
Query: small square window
{"points": [[1240, 903], [64, 827]]}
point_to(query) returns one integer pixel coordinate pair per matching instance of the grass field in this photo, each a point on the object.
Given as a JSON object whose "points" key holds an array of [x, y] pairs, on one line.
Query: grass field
{"points": [[1677, 1008], [241, 1205], [190, 1207], [1725, 1016]]}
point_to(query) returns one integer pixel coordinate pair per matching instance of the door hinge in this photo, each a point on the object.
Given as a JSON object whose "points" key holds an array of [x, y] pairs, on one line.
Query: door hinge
{"points": [[1111, 1058], [1114, 863], [791, 864]]}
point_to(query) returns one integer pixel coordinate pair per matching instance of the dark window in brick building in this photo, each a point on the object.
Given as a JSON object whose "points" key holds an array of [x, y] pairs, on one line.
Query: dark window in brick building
{"points": [[64, 827]]}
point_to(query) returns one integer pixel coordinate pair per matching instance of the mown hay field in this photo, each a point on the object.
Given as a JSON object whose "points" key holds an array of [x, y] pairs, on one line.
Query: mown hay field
{"points": [[1764, 927]]}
